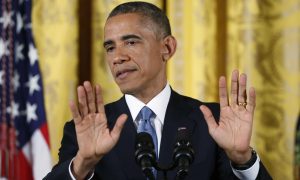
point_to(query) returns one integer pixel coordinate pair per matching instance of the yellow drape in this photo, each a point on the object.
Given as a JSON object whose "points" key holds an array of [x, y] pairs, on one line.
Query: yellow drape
{"points": [[100, 70], [261, 39], [193, 69], [55, 29], [264, 42]]}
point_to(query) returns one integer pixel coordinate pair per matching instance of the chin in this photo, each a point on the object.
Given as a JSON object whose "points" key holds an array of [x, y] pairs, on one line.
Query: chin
{"points": [[126, 89], [130, 87]]}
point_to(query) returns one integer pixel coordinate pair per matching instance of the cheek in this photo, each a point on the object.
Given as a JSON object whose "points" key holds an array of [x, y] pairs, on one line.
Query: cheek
{"points": [[110, 65], [108, 59], [152, 67]]}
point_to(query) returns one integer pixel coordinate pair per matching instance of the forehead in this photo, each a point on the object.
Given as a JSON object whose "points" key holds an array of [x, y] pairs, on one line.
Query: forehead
{"points": [[123, 20], [126, 24]]}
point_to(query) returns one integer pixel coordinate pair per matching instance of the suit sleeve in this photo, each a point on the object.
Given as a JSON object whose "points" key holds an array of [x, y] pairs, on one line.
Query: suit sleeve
{"points": [[263, 173], [67, 151]]}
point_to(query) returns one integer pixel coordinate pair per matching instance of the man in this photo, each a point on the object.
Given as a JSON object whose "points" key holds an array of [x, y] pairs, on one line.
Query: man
{"points": [[99, 142]]}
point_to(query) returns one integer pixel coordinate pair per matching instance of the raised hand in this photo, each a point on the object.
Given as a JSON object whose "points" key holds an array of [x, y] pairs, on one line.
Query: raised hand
{"points": [[93, 135], [233, 131]]}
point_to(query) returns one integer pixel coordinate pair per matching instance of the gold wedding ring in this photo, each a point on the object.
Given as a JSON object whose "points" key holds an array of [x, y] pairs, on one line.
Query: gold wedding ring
{"points": [[243, 104]]}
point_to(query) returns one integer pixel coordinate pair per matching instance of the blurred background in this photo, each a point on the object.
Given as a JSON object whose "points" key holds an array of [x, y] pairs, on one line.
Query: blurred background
{"points": [[259, 37]]}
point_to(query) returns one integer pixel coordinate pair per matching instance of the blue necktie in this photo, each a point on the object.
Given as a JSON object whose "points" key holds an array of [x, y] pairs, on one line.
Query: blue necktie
{"points": [[146, 126]]}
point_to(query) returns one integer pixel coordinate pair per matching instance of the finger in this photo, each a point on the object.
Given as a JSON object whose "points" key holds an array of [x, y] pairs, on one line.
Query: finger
{"points": [[242, 88], [90, 96], [99, 99], [75, 113], [115, 133], [234, 87], [209, 118], [83, 108], [252, 100], [223, 92]]}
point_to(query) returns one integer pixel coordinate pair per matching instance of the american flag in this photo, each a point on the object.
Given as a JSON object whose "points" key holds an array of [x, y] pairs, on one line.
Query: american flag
{"points": [[24, 140]]}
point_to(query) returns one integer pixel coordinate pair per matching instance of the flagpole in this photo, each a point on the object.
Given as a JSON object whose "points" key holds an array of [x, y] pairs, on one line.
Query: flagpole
{"points": [[11, 130], [3, 134], [3, 148]]}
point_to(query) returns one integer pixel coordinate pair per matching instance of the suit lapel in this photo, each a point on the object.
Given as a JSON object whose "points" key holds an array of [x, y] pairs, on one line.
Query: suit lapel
{"points": [[125, 147], [176, 116]]}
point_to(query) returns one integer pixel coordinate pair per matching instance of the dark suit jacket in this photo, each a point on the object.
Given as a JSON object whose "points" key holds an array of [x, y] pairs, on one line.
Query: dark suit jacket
{"points": [[119, 164]]}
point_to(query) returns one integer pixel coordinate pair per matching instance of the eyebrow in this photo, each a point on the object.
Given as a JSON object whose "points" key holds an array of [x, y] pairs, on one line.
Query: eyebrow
{"points": [[123, 38], [130, 36]]}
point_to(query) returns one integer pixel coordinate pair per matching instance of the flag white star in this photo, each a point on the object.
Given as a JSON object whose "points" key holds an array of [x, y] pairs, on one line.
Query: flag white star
{"points": [[20, 23], [32, 54], [19, 54], [6, 19], [14, 109], [31, 112], [3, 48], [1, 76], [16, 81], [33, 84]]}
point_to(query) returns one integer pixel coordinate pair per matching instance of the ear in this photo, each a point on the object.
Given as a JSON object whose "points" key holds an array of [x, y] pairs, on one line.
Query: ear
{"points": [[169, 45]]}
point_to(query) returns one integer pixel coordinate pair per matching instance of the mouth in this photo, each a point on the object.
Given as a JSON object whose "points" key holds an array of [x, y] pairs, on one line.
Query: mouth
{"points": [[121, 74]]}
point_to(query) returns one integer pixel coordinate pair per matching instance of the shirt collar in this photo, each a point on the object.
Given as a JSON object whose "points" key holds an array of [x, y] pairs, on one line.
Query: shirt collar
{"points": [[158, 104]]}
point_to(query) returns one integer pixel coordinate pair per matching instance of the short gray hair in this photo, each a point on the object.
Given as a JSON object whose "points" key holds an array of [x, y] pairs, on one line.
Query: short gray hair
{"points": [[155, 14]]}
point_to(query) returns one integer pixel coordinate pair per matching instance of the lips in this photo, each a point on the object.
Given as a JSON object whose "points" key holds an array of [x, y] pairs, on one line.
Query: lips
{"points": [[122, 73]]}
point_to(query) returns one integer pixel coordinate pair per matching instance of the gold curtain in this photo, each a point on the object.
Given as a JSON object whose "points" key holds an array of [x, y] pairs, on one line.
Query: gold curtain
{"points": [[194, 68], [55, 29], [100, 70], [261, 39], [264, 42]]}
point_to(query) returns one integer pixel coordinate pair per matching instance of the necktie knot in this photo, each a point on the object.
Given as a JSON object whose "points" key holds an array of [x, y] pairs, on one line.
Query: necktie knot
{"points": [[145, 124], [146, 113]]}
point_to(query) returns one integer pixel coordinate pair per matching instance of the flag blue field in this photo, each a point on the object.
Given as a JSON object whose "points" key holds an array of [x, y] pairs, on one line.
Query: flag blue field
{"points": [[24, 140]]}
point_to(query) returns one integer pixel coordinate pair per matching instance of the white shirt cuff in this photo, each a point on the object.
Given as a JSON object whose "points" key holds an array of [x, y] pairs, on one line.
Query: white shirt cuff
{"points": [[89, 176], [248, 174]]}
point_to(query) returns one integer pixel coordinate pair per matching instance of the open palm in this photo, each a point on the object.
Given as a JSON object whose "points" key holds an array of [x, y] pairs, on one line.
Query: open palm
{"points": [[94, 137], [234, 128]]}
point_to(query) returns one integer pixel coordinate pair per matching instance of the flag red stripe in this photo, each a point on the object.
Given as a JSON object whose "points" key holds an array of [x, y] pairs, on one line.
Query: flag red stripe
{"points": [[44, 130], [23, 167]]}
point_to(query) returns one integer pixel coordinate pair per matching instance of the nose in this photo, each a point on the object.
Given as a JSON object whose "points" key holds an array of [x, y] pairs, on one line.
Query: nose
{"points": [[120, 56]]}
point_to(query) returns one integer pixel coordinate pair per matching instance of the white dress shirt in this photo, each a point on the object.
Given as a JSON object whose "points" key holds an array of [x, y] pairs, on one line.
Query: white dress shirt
{"points": [[159, 106]]}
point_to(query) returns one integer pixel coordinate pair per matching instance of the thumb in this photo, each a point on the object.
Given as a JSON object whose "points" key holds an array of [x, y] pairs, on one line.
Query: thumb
{"points": [[209, 118], [115, 133]]}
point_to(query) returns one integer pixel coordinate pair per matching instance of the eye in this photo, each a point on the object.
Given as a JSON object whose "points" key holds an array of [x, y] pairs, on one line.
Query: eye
{"points": [[109, 48], [131, 42]]}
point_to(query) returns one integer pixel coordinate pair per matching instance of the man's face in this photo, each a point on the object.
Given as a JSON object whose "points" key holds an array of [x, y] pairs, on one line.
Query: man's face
{"points": [[134, 55]]}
